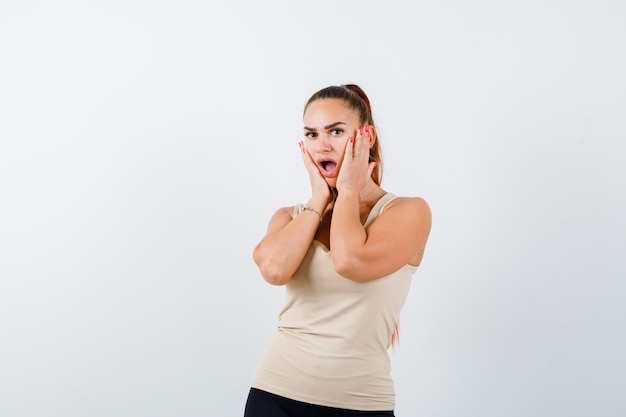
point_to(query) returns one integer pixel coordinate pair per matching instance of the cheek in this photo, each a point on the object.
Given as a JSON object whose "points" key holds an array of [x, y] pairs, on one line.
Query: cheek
{"points": [[340, 151], [308, 146], [341, 146]]}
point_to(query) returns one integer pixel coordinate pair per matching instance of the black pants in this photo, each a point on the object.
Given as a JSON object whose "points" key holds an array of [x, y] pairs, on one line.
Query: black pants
{"points": [[264, 404]]}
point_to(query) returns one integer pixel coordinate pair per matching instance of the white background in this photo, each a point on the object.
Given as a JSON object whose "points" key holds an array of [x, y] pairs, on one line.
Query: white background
{"points": [[145, 144]]}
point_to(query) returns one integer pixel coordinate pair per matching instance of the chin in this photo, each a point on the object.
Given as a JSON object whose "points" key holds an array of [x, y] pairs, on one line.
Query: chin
{"points": [[332, 182]]}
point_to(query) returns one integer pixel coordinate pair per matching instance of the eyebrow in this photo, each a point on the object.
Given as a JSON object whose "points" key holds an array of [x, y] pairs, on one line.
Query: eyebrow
{"points": [[325, 127]]}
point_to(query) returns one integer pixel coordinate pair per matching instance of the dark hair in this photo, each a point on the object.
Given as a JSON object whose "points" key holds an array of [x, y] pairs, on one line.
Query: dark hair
{"points": [[356, 99]]}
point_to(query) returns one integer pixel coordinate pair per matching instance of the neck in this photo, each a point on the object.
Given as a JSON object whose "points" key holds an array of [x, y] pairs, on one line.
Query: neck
{"points": [[370, 194]]}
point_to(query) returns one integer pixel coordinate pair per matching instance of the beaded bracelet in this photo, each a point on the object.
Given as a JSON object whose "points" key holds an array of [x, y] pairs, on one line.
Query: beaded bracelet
{"points": [[305, 208]]}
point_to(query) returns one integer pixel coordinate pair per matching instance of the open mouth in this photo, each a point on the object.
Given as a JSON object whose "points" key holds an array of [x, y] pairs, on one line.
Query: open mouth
{"points": [[327, 166]]}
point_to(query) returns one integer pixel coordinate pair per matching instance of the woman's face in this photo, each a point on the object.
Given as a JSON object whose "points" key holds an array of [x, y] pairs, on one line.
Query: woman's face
{"points": [[328, 123]]}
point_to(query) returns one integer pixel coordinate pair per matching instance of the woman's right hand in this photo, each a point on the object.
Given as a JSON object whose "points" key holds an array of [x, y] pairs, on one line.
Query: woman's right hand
{"points": [[319, 186], [288, 238]]}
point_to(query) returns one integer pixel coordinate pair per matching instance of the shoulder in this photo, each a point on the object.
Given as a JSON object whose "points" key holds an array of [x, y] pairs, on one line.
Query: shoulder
{"points": [[286, 211], [280, 219], [411, 217], [409, 212], [416, 205]]}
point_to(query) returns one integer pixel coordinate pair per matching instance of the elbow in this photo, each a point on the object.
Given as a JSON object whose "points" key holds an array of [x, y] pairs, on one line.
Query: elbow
{"points": [[271, 276], [347, 267], [270, 269]]}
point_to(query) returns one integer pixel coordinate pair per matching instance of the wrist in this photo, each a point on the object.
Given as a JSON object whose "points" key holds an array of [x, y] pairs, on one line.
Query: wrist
{"points": [[312, 211], [347, 193], [319, 202]]}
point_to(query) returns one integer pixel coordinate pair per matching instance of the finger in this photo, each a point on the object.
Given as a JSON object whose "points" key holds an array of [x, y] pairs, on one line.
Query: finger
{"points": [[305, 154], [348, 152], [362, 146], [308, 160], [371, 167], [371, 135]]}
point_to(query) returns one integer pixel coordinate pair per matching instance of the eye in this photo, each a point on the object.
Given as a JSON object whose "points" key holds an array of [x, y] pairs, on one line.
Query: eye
{"points": [[310, 135], [336, 132]]}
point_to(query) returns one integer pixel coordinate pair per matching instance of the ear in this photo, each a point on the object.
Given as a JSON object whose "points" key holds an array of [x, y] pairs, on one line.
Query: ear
{"points": [[373, 136]]}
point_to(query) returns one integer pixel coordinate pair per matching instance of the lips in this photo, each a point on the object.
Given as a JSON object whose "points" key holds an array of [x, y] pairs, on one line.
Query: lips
{"points": [[327, 166]]}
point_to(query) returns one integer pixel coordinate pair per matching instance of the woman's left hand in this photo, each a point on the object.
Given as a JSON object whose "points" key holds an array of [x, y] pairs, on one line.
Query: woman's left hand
{"points": [[355, 167]]}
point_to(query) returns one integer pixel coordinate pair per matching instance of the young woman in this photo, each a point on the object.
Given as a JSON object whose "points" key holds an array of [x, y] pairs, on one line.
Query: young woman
{"points": [[346, 257]]}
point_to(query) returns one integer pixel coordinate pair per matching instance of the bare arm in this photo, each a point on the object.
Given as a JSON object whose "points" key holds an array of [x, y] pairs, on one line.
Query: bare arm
{"points": [[279, 254], [397, 237]]}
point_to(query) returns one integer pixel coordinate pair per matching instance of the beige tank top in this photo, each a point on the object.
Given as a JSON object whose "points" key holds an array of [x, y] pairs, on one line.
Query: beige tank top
{"points": [[333, 335]]}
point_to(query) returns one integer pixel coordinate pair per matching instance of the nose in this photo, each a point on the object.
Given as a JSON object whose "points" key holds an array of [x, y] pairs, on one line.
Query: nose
{"points": [[323, 144]]}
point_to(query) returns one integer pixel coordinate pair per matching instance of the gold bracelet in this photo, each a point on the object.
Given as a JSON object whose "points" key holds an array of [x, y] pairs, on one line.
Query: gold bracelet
{"points": [[307, 208]]}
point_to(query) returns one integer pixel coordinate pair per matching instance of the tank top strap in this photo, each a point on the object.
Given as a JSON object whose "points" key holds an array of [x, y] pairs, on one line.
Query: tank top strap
{"points": [[379, 207], [297, 209]]}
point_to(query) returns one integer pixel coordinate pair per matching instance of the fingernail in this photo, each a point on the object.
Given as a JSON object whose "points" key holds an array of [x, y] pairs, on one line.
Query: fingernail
{"points": [[361, 131], [351, 139], [367, 128]]}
